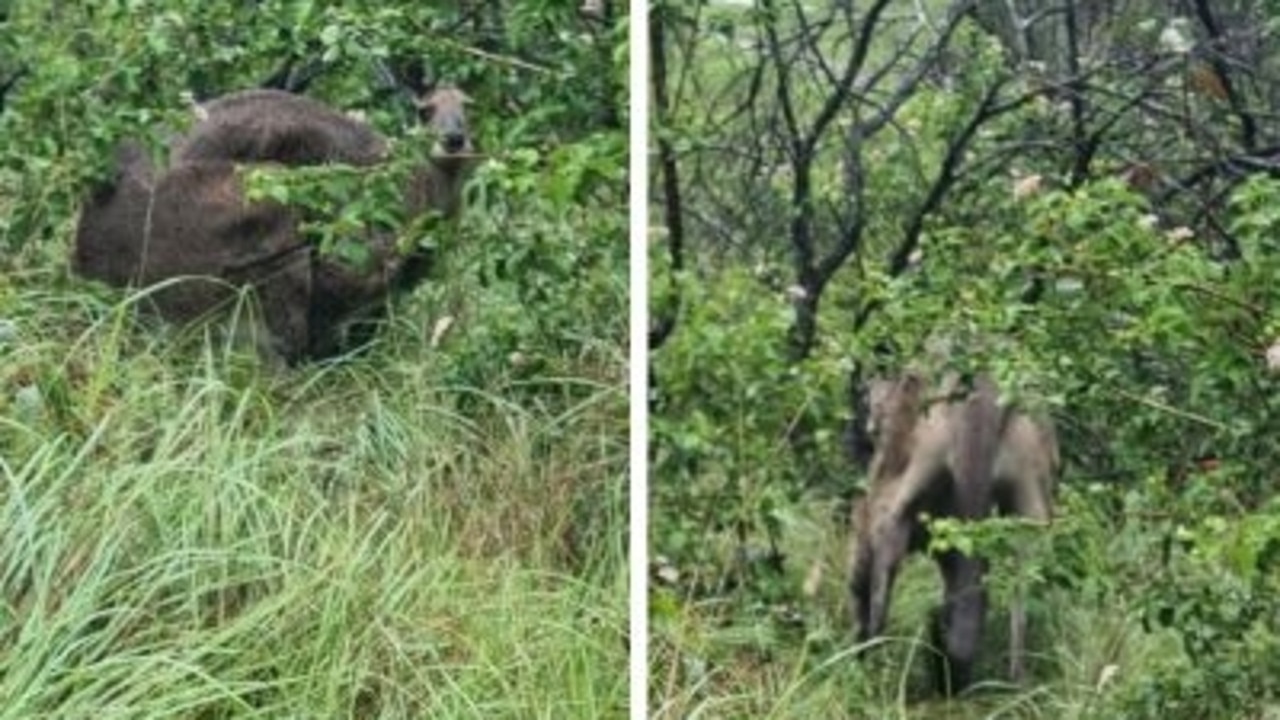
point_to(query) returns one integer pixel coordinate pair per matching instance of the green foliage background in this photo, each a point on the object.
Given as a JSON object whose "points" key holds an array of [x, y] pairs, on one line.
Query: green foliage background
{"points": [[1154, 595]]}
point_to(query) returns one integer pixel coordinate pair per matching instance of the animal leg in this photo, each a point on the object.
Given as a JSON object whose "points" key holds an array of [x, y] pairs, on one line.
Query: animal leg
{"points": [[1017, 639], [1031, 499], [960, 622], [1024, 475], [1033, 503], [890, 541], [286, 300], [892, 518], [860, 586]]}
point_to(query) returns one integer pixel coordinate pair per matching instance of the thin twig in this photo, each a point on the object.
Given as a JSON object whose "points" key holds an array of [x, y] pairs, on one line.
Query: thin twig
{"points": [[1176, 412], [503, 59]]}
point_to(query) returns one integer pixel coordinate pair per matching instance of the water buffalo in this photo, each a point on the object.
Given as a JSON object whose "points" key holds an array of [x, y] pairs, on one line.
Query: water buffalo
{"points": [[193, 220], [959, 454]]}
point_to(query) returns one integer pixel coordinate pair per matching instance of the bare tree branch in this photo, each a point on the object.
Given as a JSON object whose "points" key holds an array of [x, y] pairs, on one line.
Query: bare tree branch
{"points": [[669, 169]]}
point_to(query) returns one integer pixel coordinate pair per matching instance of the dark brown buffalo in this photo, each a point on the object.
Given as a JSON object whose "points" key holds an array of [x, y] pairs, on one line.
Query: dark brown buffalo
{"points": [[193, 221]]}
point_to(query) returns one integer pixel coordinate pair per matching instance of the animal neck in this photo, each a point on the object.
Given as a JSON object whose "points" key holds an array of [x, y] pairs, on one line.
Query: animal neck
{"points": [[437, 185]]}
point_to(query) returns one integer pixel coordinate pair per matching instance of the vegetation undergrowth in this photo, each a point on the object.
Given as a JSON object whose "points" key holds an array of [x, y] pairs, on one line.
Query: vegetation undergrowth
{"points": [[188, 532], [1073, 203], [433, 527]]}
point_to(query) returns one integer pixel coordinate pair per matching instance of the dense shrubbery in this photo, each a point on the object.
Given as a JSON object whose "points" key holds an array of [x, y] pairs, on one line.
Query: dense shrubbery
{"points": [[1139, 316], [432, 528]]}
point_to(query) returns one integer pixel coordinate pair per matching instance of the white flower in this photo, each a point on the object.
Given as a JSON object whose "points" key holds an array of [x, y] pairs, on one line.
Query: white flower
{"points": [[1025, 187], [442, 326], [813, 580], [1273, 357], [29, 402], [1105, 677], [1174, 37]]}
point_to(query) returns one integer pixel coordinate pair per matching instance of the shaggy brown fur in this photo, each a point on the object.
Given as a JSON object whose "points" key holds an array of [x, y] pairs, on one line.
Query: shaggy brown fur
{"points": [[194, 220], [280, 127], [956, 455], [193, 223], [277, 126]]}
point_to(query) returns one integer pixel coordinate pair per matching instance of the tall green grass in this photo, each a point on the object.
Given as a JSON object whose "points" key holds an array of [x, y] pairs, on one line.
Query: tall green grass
{"points": [[186, 533]]}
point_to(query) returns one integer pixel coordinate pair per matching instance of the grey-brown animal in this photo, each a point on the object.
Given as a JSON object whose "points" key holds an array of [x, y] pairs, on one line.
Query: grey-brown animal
{"points": [[949, 454], [194, 220], [192, 223], [297, 130], [275, 126]]}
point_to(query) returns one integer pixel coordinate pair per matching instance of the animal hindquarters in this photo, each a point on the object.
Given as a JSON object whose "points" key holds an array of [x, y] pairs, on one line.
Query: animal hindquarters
{"points": [[1026, 467], [194, 227]]}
